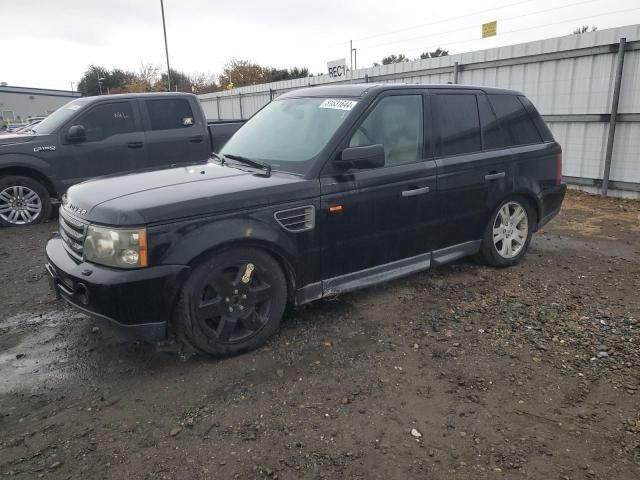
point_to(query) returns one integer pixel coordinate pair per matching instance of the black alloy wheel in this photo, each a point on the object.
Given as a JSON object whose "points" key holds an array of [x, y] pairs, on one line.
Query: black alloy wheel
{"points": [[233, 301]]}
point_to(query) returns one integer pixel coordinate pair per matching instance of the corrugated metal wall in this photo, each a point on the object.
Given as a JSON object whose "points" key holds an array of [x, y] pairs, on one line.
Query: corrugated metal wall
{"points": [[564, 76]]}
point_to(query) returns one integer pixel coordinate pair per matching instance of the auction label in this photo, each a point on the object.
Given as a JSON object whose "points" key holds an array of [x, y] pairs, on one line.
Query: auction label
{"points": [[338, 104]]}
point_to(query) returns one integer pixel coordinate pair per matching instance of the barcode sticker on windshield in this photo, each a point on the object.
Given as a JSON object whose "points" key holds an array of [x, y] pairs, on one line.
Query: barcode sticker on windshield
{"points": [[338, 104]]}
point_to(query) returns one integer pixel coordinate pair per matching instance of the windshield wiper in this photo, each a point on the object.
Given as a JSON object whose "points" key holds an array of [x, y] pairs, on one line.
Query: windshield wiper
{"points": [[253, 163]]}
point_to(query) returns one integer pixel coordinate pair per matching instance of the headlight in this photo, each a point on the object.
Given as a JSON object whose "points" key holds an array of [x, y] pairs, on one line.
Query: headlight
{"points": [[116, 247]]}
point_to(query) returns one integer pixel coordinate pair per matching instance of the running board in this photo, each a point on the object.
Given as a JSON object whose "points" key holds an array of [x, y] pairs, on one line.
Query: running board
{"points": [[384, 273]]}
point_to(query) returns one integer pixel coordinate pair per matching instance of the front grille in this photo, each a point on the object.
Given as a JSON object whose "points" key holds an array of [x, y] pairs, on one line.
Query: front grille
{"points": [[72, 232]]}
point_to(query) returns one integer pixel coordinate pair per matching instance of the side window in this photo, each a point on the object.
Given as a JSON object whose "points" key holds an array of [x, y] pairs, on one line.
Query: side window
{"points": [[104, 121], [456, 124], [515, 120], [395, 123], [170, 113], [492, 136]]}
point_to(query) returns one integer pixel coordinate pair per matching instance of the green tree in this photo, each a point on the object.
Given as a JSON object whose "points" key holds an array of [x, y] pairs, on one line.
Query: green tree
{"points": [[399, 58], [180, 82], [584, 29], [97, 78], [438, 52], [277, 74], [240, 73]]}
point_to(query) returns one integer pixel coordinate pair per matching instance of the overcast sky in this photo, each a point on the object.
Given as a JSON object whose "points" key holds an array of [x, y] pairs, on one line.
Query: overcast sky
{"points": [[49, 43]]}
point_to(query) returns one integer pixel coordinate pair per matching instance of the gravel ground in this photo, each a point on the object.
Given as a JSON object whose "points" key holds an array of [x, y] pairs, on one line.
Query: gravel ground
{"points": [[463, 372]]}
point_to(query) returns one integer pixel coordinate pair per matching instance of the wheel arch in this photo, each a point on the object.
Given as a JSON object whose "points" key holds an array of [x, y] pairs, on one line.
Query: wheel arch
{"points": [[34, 173], [531, 199], [282, 257]]}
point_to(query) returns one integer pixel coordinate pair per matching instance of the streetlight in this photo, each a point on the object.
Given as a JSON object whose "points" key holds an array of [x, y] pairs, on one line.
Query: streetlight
{"points": [[166, 48], [100, 79]]}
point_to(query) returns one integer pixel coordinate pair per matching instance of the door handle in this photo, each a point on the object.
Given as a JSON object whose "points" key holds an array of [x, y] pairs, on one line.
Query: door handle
{"points": [[134, 145], [415, 191], [494, 176], [196, 139]]}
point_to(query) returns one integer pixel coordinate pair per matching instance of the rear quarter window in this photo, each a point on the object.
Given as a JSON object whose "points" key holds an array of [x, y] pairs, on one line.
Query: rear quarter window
{"points": [[516, 121], [169, 114], [537, 119]]}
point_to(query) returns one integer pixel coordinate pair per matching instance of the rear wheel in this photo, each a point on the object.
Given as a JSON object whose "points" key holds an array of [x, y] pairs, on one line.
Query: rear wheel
{"points": [[233, 302], [508, 234], [23, 201]]}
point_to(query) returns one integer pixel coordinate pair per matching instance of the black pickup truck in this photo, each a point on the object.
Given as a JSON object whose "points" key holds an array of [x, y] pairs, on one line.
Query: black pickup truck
{"points": [[323, 191], [96, 136]]}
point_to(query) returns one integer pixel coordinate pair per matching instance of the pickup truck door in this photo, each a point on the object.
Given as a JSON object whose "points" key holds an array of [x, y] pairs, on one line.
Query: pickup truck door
{"points": [[113, 143], [377, 222], [175, 134]]}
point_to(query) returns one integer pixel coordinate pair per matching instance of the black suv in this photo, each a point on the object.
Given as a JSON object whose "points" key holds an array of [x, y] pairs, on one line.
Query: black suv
{"points": [[325, 190]]}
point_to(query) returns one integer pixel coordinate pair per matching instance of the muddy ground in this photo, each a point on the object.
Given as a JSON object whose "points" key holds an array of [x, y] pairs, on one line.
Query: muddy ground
{"points": [[529, 372]]}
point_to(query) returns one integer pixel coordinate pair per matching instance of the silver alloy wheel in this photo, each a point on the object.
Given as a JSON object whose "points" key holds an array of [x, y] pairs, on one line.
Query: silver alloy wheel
{"points": [[510, 230], [19, 205]]}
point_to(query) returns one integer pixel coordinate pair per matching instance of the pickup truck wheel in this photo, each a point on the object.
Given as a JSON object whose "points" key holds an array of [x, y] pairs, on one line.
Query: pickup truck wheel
{"points": [[508, 234], [233, 302], [23, 201]]}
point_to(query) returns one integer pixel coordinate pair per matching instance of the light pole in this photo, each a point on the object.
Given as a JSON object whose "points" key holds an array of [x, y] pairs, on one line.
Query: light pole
{"points": [[100, 79], [166, 47]]}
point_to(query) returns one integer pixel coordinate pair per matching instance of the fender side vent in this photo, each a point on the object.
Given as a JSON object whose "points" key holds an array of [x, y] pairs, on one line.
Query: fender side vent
{"points": [[298, 219]]}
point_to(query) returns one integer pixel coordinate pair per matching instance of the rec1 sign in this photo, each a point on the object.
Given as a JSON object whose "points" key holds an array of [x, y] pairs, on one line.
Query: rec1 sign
{"points": [[337, 69]]}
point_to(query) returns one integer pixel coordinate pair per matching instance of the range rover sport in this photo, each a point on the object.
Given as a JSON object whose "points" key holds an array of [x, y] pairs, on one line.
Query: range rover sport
{"points": [[323, 191]]}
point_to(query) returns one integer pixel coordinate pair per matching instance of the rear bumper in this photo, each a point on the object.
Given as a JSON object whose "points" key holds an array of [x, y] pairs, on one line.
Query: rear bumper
{"points": [[141, 301], [550, 203]]}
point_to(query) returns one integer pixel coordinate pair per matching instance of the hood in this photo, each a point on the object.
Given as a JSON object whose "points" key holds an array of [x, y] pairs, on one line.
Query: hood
{"points": [[176, 193], [15, 138]]}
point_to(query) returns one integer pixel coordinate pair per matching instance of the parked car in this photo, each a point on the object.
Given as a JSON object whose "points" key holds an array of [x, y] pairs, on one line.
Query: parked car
{"points": [[27, 128], [97, 136], [323, 191]]}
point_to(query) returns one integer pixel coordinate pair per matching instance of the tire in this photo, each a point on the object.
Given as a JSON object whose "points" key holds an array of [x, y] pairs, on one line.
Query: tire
{"points": [[227, 307], [23, 201], [509, 242]]}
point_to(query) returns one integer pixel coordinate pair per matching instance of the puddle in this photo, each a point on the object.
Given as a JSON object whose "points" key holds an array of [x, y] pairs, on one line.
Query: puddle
{"points": [[33, 349]]}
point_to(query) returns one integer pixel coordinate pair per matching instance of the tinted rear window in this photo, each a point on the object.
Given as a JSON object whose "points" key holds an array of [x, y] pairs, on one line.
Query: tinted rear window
{"points": [[456, 124], [516, 121], [167, 114], [537, 119], [492, 135]]}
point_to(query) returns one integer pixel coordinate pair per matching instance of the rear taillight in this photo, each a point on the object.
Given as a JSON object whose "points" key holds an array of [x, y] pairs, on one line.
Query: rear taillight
{"points": [[559, 168]]}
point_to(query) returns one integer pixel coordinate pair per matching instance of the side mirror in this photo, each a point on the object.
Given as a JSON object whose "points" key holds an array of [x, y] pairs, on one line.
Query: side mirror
{"points": [[76, 134], [371, 156]]}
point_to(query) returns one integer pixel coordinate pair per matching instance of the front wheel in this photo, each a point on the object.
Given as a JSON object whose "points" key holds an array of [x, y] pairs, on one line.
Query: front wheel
{"points": [[233, 302], [508, 234]]}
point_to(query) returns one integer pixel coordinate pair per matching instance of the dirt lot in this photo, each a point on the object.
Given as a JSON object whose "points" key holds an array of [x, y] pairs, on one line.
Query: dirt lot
{"points": [[530, 372]]}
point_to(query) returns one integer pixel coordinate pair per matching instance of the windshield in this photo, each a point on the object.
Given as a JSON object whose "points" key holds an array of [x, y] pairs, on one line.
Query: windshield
{"points": [[59, 117], [288, 134]]}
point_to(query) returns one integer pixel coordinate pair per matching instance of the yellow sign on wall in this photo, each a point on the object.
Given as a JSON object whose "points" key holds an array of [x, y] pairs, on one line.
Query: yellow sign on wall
{"points": [[489, 29]]}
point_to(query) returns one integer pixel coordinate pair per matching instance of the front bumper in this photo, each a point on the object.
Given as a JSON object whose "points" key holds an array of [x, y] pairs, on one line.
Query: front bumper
{"points": [[141, 300]]}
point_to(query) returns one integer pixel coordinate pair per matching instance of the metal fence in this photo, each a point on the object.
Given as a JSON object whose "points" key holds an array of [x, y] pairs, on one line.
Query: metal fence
{"points": [[587, 87]]}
